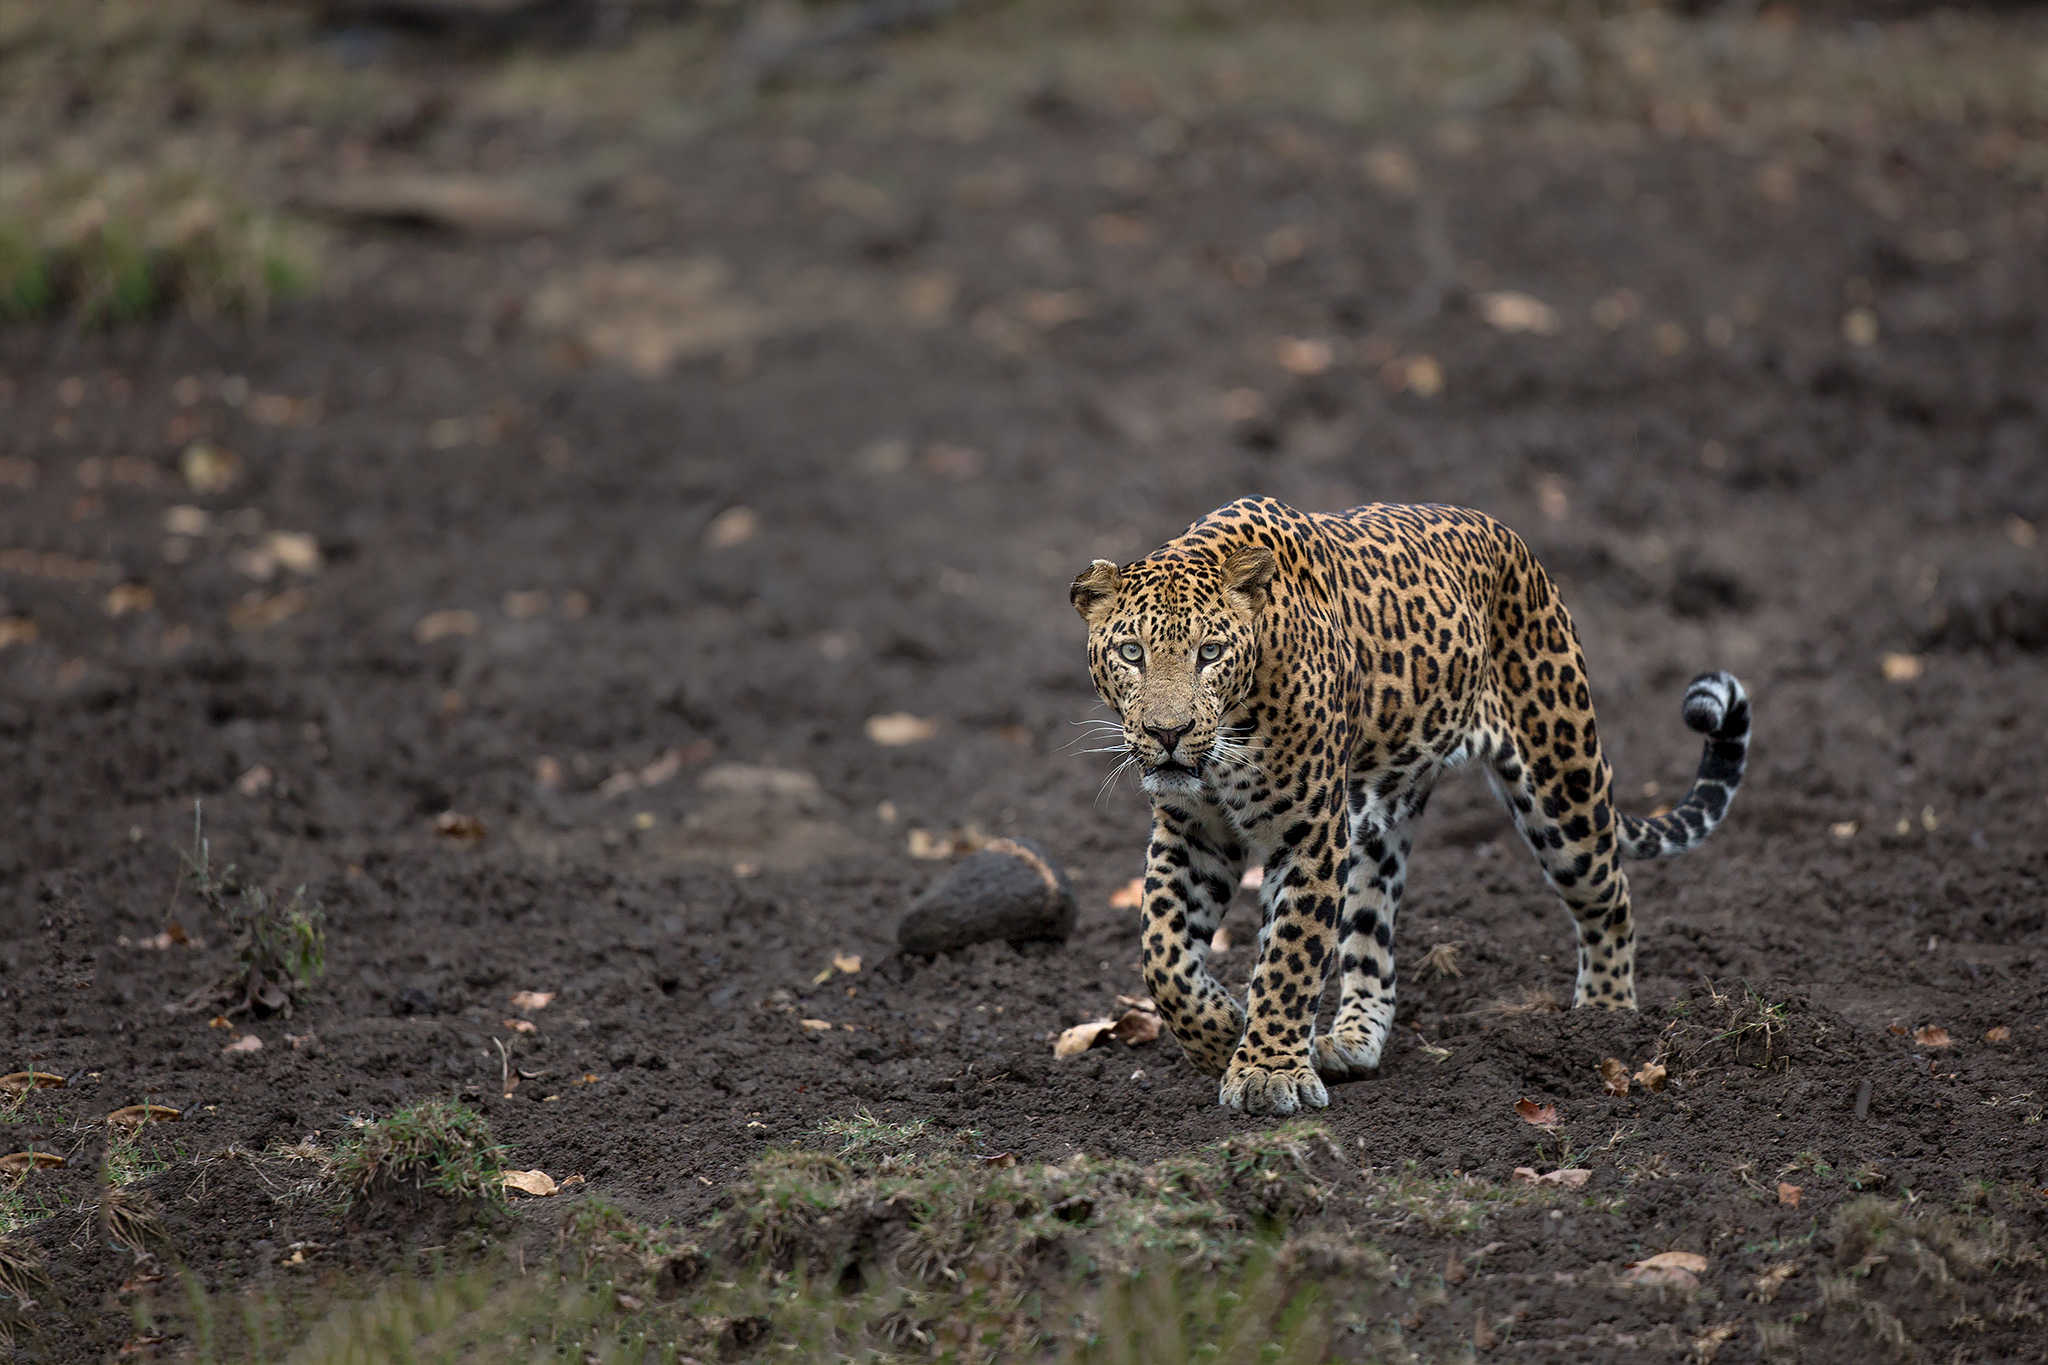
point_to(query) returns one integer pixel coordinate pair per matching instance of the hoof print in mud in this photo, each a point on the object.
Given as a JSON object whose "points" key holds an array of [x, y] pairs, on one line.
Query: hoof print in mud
{"points": [[1010, 891], [1263, 1090]]}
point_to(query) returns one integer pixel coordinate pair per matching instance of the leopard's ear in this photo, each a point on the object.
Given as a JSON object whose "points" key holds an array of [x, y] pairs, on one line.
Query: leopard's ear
{"points": [[1096, 585], [1248, 576]]}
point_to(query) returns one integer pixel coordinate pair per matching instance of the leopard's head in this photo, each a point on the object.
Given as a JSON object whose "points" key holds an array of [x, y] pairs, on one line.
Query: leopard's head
{"points": [[1173, 646]]}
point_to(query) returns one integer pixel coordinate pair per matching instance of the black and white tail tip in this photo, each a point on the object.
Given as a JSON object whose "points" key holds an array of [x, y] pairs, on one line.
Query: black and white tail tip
{"points": [[1717, 707]]}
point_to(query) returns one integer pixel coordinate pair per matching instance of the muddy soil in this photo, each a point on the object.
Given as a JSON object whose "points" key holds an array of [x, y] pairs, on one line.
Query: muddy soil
{"points": [[628, 522]]}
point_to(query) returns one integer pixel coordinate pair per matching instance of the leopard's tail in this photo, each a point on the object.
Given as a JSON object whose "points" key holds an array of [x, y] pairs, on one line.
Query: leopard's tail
{"points": [[1717, 707]]}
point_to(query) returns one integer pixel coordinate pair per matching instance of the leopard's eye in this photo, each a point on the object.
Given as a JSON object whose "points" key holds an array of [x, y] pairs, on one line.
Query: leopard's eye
{"points": [[1132, 652], [1209, 653]]}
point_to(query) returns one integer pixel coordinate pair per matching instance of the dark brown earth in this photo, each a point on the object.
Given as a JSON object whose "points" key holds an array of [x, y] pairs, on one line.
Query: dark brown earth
{"points": [[895, 368]]}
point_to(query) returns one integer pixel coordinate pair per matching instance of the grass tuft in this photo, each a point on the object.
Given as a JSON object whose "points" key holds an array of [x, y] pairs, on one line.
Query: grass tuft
{"points": [[436, 1147], [126, 247]]}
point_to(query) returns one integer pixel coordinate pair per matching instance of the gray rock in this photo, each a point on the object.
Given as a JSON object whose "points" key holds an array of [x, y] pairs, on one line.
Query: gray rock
{"points": [[1011, 890]]}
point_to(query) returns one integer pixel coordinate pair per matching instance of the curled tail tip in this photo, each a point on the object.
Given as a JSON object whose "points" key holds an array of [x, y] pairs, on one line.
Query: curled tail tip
{"points": [[1714, 701]]}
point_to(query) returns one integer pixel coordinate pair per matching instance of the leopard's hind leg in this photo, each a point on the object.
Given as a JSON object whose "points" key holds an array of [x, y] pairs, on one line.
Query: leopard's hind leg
{"points": [[1557, 786]]}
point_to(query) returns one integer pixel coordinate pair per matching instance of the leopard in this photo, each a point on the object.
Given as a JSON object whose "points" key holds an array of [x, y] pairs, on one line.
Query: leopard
{"points": [[1290, 687]]}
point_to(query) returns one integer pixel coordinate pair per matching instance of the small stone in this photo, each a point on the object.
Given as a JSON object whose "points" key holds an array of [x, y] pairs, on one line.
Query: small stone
{"points": [[1010, 891]]}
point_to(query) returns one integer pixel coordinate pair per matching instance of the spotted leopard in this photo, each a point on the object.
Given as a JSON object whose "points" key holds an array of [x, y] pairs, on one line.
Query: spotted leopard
{"points": [[1291, 685]]}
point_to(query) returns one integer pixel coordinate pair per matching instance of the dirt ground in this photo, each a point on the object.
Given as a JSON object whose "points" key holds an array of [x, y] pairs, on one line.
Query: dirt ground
{"points": [[611, 515]]}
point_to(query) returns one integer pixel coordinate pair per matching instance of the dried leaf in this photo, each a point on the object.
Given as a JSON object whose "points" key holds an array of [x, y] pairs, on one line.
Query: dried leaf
{"points": [[135, 1115], [927, 845], [1651, 1075], [1673, 1269], [439, 625], [1139, 1002], [518, 1025], [1304, 356], [295, 550], [248, 1042], [1507, 311], [460, 828], [536, 1183], [1902, 667], [18, 1081], [1773, 1279], [1543, 1116], [2000, 1034], [1682, 1260], [817, 1025], [1614, 1076], [899, 728], [124, 598], [733, 526], [1129, 896], [208, 469], [1135, 1027], [532, 1000], [1571, 1178], [1788, 1194], [848, 963], [1081, 1037], [998, 1159], [1932, 1035], [21, 1163]]}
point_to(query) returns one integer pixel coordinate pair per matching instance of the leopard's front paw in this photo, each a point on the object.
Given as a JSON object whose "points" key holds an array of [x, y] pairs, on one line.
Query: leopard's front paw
{"points": [[1259, 1089], [1347, 1054]]}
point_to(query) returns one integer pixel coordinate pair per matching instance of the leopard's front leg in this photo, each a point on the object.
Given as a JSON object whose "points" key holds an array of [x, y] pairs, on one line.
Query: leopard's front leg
{"points": [[1190, 871], [1273, 1070]]}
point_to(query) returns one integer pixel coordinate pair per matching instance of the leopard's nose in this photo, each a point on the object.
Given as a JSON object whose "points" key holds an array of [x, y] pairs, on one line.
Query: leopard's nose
{"points": [[1168, 736]]}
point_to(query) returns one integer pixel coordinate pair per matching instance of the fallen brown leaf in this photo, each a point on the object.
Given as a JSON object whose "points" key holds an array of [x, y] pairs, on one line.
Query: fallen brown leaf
{"points": [[439, 625], [2000, 1034], [518, 1025], [817, 1025], [207, 468], [1570, 1178], [124, 598], [1614, 1076], [1788, 1195], [1651, 1075], [21, 1163], [1932, 1035], [1902, 667], [1129, 896], [1135, 1027], [536, 1183], [848, 963], [532, 1000], [18, 1081], [929, 845], [1305, 356], [248, 1042], [459, 828], [1670, 1269], [733, 526], [135, 1115], [1543, 1116], [1507, 311], [1078, 1039], [1773, 1279], [900, 728]]}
